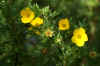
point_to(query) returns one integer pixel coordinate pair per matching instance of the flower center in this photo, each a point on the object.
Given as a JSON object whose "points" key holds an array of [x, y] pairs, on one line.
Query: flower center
{"points": [[79, 36], [63, 25], [28, 15], [48, 33]]}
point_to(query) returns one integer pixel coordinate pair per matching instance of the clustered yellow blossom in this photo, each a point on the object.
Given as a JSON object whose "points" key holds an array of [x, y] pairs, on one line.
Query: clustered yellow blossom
{"points": [[64, 24], [28, 16], [79, 37]]}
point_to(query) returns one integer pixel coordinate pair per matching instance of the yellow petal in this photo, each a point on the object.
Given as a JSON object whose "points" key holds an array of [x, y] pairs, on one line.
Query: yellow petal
{"points": [[26, 20], [80, 44], [79, 30], [37, 22]]}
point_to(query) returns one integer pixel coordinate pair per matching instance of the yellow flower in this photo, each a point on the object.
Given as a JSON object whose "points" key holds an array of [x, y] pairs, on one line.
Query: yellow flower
{"points": [[27, 15], [37, 22], [49, 33], [64, 24], [79, 37]]}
